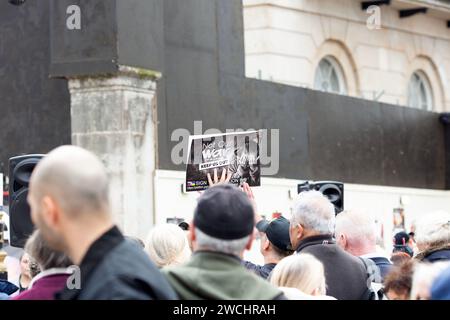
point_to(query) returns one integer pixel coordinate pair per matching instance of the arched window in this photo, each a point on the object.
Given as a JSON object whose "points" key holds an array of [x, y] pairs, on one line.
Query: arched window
{"points": [[419, 92], [329, 76]]}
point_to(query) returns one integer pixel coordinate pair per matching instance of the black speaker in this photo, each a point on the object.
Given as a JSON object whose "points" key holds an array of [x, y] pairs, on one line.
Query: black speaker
{"points": [[333, 190], [20, 225]]}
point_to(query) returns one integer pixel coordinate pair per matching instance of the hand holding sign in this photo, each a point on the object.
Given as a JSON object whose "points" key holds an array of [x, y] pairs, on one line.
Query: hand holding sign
{"points": [[225, 178]]}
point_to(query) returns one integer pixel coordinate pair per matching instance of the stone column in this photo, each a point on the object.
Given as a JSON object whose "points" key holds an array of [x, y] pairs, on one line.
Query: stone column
{"points": [[114, 117]]}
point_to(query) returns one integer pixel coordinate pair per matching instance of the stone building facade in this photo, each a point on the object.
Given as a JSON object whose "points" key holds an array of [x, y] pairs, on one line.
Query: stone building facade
{"points": [[338, 46]]}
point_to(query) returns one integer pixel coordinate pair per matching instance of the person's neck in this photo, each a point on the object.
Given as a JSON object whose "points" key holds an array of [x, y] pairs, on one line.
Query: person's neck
{"points": [[311, 233], [361, 250], [25, 280], [271, 259], [83, 236], [205, 249]]}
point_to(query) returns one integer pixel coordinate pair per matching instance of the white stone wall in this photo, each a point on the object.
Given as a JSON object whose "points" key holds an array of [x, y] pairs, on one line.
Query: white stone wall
{"points": [[276, 195], [285, 40]]}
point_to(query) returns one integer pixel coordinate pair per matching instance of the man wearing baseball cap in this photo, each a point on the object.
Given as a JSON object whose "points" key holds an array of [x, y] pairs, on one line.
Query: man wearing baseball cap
{"points": [[221, 230], [403, 243], [275, 245]]}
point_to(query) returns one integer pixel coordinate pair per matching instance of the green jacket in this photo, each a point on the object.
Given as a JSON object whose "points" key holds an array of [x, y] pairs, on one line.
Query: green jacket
{"points": [[217, 276]]}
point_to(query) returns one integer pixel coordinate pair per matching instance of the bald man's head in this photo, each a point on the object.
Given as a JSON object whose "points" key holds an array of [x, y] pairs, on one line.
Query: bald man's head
{"points": [[75, 179], [356, 232]]}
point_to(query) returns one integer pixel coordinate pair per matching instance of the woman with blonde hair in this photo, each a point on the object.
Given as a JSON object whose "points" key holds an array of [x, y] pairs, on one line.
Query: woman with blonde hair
{"points": [[300, 276], [167, 245]]}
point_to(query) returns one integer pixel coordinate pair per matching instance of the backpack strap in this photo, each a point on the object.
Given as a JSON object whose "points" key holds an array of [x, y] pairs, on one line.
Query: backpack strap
{"points": [[374, 280]]}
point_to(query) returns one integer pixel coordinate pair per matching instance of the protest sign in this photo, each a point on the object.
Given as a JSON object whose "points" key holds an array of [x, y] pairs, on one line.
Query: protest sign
{"points": [[237, 153]]}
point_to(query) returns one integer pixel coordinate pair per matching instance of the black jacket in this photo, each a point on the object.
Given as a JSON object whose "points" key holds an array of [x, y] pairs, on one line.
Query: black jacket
{"points": [[383, 264], [346, 276], [435, 254], [262, 271], [117, 269]]}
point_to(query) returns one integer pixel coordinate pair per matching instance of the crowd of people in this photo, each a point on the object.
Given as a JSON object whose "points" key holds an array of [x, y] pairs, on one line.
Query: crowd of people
{"points": [[77, 252]]}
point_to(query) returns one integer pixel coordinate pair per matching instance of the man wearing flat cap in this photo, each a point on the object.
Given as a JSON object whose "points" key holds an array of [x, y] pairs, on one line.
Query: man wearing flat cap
{"points": [[222, 229]]}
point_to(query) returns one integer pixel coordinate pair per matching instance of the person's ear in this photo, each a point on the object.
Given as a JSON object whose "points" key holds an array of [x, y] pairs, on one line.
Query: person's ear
{"points": [[266, 244], [300, 232], [191, 233], [33, 209], [51, 212], [342, 241], [250, 241]]}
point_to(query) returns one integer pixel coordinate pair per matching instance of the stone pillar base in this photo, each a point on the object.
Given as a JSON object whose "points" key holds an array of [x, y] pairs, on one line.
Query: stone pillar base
{"points": [[113, 116]]}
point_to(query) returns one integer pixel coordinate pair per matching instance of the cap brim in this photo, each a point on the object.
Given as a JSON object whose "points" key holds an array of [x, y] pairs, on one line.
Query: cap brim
{"points": [[262, 226]]}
